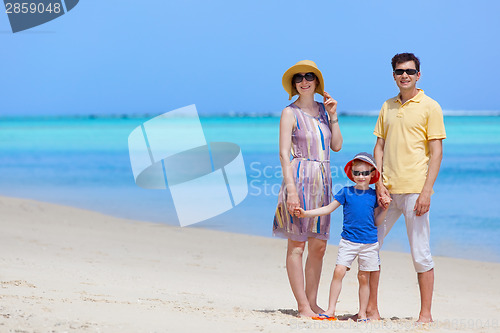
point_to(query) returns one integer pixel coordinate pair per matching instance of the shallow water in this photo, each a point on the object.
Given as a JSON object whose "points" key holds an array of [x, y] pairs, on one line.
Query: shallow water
{"points": [[84, 162]]}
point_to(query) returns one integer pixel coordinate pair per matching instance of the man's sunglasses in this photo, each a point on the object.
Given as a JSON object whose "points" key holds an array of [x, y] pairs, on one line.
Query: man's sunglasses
{"points": [[362, 173], [297, 78], [410, 71]]}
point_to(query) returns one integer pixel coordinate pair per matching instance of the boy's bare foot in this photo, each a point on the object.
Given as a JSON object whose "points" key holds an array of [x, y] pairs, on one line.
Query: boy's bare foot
{"points": [[328, 314], [317, 309]]}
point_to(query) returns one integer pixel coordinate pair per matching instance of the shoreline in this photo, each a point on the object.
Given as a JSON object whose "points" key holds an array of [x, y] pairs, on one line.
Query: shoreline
{"points": [[66, 268], [269, 236]]}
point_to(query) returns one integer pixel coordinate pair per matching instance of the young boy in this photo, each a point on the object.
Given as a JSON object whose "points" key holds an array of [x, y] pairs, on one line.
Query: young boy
{"points": [[359, 235]]}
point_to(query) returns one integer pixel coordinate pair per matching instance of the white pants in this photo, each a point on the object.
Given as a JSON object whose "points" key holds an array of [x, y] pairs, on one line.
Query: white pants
{"points": [[417, 228]]}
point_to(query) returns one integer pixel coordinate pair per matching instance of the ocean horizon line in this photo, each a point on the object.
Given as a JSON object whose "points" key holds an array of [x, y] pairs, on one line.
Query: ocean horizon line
{"points": [[232, 114]]}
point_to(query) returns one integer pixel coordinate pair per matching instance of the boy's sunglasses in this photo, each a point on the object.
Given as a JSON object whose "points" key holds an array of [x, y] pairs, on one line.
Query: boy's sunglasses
{"points": [[410, 71], [297, 78], [362, 173]]}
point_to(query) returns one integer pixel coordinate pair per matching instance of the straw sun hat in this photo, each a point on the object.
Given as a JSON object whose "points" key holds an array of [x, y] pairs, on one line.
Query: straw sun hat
{"points": [[303, 66], [367, 158]]}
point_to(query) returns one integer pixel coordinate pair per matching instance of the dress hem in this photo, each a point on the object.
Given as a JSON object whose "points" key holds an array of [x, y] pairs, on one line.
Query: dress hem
{"points": [[299, 238]]}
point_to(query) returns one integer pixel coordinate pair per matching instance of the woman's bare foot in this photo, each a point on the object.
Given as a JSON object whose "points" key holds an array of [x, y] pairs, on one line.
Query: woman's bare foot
{"points": [[307, 312]]}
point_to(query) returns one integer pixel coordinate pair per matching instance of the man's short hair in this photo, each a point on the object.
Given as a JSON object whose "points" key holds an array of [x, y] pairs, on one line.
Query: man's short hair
{"points": [[404, 57]]}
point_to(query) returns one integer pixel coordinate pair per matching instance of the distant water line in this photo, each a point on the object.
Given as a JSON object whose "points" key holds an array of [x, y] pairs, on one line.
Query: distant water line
{"points": [[84, 162]]}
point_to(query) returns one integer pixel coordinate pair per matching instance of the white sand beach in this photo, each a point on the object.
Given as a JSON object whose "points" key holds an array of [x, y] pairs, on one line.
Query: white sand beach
{"points": [[65, 269]]}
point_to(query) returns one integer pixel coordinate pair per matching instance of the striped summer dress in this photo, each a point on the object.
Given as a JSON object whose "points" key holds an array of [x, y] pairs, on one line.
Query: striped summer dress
{"points": [[311, 165]]}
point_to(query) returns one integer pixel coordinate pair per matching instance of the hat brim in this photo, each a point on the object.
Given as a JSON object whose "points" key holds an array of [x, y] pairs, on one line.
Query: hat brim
{"points": [[348, 170], [302, 68]]}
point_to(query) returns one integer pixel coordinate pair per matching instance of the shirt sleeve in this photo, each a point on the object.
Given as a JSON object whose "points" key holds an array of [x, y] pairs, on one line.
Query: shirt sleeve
{"points": [[379, 127], [435, 123], [340, 196]]}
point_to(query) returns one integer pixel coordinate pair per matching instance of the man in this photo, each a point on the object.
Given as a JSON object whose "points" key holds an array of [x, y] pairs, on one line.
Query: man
{"points": [[409, 131]]}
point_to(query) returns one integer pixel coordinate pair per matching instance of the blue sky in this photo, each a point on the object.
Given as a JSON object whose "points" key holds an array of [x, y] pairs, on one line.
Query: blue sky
{"points": [[130, 57]]}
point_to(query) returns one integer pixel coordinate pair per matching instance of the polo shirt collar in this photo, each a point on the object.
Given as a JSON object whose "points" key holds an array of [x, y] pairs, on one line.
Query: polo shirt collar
{"points": [[417, 98]]}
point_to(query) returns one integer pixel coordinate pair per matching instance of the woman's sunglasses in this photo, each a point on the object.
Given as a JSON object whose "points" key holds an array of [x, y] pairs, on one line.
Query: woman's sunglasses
{"points": [[410, 71], [362, 173], [297, 78]]}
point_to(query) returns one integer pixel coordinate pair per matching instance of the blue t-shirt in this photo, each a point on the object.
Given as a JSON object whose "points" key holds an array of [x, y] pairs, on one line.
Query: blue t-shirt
{"points": [[359, 222]]}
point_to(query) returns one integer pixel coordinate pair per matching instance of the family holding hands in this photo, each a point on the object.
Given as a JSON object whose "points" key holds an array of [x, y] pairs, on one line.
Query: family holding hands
{"points": [[405, 165]]}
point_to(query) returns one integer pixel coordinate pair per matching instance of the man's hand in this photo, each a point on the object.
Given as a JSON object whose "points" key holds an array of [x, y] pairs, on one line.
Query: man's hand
{"points": [[423, 203], [383, 196], [424, 199], [385, 202]]}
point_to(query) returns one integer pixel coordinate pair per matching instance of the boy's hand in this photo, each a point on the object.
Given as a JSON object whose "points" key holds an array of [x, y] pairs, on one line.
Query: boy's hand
{"points": [[383, 195], [299, 212], [385, 202]]}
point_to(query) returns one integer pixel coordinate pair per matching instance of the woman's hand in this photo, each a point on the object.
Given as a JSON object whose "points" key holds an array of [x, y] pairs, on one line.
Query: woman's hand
{"points": [[292, 203], [330, 104]]}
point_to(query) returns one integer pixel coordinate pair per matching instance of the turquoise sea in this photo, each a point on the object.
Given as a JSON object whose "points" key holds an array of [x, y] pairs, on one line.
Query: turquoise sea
{"points": [[84, 162]]}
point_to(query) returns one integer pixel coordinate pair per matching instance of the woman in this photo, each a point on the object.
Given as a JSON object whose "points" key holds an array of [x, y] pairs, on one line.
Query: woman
{"points": [[308, 130]]}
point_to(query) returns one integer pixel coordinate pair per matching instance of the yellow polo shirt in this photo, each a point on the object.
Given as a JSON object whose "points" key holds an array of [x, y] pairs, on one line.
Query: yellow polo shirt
{"points": [[407, 129]]}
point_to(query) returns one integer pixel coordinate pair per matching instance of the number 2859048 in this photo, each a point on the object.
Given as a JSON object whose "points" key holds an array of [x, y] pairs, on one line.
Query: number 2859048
{"points": [[32, 8]]}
